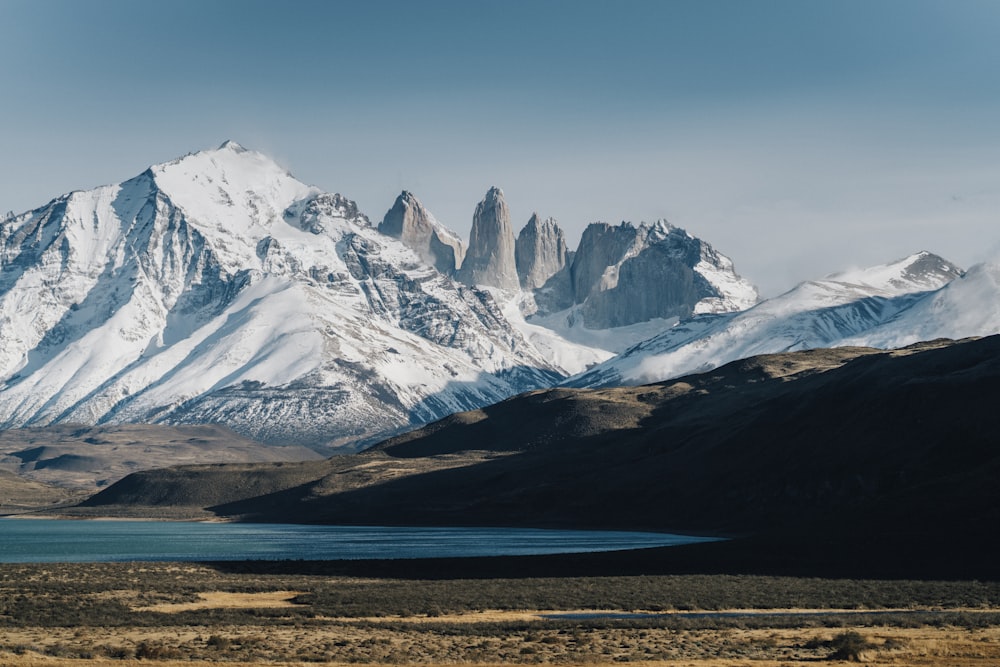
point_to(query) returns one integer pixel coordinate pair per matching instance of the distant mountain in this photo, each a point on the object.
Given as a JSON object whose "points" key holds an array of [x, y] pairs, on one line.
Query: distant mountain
{"points": [[966, 306], [859, 459], [218, 289], [623, 284], [870, 307], [626, 274]]}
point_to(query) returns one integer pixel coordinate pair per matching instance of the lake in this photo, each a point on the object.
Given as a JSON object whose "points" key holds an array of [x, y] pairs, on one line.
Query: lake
{"points": [[54, 540]]}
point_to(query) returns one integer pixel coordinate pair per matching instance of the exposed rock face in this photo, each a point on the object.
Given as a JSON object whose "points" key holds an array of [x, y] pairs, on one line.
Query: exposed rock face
{"points": [[622, 275], [602, 246], [413, 224], [490, 260], [540, 252]]}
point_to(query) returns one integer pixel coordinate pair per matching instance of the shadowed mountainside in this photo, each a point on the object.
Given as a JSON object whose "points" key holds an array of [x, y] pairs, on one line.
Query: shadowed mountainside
{"points": [[843, 451]]}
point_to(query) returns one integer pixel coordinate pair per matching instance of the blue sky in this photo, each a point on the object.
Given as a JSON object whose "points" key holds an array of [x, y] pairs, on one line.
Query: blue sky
{"points": [[797, 136]]}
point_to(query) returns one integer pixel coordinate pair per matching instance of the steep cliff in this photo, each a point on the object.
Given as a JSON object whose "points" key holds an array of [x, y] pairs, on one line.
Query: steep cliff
{"points": [[540, 252], [490, 260]]}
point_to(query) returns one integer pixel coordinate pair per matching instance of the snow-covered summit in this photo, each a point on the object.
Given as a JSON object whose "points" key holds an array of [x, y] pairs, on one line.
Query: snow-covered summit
{"points": [[965, 307], [920, 270], [238, 193]]}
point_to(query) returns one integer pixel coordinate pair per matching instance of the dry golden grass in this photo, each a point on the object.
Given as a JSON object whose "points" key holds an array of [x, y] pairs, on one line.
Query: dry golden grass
{"points": [[98, 615], [342, 643], [226, 600]]}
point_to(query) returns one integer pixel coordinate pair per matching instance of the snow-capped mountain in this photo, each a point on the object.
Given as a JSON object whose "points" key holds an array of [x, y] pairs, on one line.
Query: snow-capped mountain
{"points": [[218, 288], [967, 306], [627, 274], [912, 299], [624, 284]]}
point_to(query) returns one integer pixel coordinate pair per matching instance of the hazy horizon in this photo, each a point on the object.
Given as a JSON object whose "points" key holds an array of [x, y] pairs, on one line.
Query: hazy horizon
{"points": [[797, 138]]}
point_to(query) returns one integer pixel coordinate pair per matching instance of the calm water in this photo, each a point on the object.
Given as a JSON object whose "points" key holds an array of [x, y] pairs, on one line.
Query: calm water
{"points": [[47, 541]]}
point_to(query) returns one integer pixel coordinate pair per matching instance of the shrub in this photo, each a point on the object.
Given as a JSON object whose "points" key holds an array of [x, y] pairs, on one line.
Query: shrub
{"points": [[153, 651], [849, 646]]}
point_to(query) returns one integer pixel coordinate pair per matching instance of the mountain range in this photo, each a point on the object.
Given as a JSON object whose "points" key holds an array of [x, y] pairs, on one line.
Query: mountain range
{"points": [[884, 306], [214, 307], [217, 288]]}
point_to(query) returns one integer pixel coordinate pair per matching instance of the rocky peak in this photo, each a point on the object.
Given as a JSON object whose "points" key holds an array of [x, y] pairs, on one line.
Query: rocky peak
{"points": [[490, 260], [927, 270], [601, 246], [231, 145], [540, 252], [414, 225], [625, 274], [315, 214]]}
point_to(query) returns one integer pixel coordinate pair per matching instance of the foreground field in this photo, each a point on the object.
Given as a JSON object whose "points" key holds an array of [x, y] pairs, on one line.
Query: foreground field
{"points": [[113, 614], [346, 644]]}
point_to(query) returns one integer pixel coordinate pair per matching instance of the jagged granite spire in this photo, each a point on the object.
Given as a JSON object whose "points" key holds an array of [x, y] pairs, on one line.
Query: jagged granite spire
{"points": [[414, 225], [490, 260], [540, 252]]}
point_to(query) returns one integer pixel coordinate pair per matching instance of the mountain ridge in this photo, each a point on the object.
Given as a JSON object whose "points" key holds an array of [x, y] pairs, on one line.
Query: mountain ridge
{"points": [[837, 310], [216, 288]]}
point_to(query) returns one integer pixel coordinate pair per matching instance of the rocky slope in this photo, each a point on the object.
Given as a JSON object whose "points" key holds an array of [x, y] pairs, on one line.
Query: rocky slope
{"points": [[861, 307], [218, 289]]}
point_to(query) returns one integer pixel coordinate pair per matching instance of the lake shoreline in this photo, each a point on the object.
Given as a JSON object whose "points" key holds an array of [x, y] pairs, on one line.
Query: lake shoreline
{"points": [[67, 540]]}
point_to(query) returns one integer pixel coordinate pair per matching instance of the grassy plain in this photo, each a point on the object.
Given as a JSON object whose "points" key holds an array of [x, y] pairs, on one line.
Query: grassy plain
{"points": [[97, 615]]}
